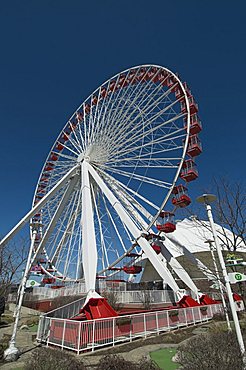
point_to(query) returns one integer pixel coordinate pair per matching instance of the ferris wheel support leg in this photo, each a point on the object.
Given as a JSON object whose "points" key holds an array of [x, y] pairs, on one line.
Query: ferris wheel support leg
{"points": [[156, 260], [12, 352], [39, 205], [179, 270], [89, 247], [56, 216]]}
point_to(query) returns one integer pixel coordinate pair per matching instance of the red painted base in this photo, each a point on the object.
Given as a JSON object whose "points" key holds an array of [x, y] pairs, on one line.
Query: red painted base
{"points": [[187, 301], [97, 308]]}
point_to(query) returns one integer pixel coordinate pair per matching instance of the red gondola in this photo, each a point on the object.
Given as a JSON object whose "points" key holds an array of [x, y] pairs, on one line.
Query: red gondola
{"points": [[189, 171], [172, 83], [132, 269], [54, 157], [193, 105], [181, 198], [122, 80], [141, 74], [94, 100], [153, 239], [153, 75], [59, 146], [132, 77], [133, 255], [112, 86], [165, 222], [49, 280], [103, 92], [195, 124], [49, 167], [162, 77], [87, 108], [194, 146]]}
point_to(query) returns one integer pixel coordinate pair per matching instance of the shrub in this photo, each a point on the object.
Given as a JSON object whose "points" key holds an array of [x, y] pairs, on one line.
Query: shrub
{"points": [[114, 362], [112, 298], [33, 321], [52, 359], [211, 351]]}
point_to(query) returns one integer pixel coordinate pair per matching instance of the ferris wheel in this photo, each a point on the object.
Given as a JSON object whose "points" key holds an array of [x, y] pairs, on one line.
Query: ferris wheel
{"points": [[109, 184]]}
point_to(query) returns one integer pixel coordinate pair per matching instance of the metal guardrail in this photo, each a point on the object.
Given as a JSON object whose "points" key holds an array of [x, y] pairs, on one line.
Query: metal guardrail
{"points": [[69, 310], [89, 335]]}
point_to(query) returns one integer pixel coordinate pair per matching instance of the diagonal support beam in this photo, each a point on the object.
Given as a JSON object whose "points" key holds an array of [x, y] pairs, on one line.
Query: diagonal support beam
{"points": [[57, 214], [39, 205], [156, 260]]}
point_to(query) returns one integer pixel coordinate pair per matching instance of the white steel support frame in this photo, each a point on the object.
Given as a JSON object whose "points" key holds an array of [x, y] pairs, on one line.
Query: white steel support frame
{"points": [[155, 259], [12, 352], [176, 266], [89, 246], [205, 199], [57, 214], [221, 287], [39, 205]]}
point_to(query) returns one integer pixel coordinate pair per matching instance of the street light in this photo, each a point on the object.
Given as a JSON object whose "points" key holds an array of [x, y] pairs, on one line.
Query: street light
{"points": [[12, 352], [207, 199], [210, 242]]}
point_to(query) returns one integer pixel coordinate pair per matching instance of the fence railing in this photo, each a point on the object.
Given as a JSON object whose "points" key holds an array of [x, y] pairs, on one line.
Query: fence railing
{"points": [[69, 310], [89, 335], [143, 296]]}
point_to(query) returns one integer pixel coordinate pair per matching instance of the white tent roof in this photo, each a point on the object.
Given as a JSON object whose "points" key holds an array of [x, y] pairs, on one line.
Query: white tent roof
{"points": [[192, 234]]}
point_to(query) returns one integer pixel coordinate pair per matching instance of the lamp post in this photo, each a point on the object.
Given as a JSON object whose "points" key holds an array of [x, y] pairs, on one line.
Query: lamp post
{"points": [[207, 199], [12, 352], [210, 242]]}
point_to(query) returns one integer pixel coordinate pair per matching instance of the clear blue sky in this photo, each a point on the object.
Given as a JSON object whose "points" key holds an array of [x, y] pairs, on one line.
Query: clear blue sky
{"points": [[55, 53]]}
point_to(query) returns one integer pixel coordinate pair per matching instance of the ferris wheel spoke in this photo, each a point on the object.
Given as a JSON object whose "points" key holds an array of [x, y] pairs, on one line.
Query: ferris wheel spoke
{"points": [[58, 213], [135, 91], [105, 254], [123, 139], [139, 94], [130, 200], [64, 229], [76, 145], [148, 180], [71, 241], [61, 225], [115, 228], [148, 109], [79, 139], [170, 146]]}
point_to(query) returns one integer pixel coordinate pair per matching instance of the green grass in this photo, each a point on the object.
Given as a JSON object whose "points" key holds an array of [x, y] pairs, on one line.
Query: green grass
{"points": [[163, 358], [33, 328]]}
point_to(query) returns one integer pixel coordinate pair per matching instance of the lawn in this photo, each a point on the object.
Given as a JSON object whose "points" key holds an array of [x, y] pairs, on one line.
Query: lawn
{"points": [[163, 358]]}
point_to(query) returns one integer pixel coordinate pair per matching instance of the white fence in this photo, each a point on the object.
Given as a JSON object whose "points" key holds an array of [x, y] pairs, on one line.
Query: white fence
{"points": [[89, 335], [143, 296]]}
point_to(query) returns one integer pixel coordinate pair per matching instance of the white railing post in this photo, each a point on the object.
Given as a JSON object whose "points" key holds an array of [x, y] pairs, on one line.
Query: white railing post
{"points": [[193, 316], [185, 313], [130, 319], [63, 333], [145, 333], [168, 320], [48, 336], [113, 330], [157, 322], [93, 335], [78, 345], [200, 314]]}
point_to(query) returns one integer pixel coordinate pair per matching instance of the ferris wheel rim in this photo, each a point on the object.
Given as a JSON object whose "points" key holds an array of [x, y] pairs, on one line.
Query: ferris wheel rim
{"points": [[184, 146]]}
